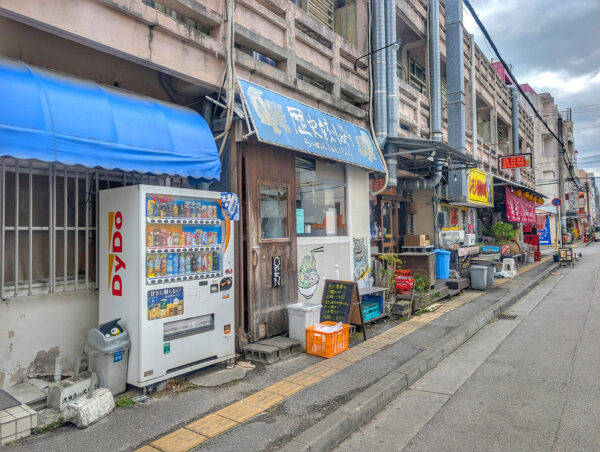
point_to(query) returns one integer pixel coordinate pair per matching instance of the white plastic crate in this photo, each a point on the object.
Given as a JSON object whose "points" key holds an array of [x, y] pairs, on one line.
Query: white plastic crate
{"points": [[301, 316]]}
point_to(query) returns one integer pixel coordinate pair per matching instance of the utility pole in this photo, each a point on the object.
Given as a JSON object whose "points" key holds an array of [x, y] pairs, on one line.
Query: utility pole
{"points": [[589, 211], [561, 180]]}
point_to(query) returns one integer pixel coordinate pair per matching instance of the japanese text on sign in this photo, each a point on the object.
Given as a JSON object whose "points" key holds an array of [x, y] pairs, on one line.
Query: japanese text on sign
{"points": [[480, 188], [285, 122], [515, 161], [337, 301]]}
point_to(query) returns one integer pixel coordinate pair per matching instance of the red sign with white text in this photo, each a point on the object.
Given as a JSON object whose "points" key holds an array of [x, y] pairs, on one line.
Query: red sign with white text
{"points": [[514, 161]]}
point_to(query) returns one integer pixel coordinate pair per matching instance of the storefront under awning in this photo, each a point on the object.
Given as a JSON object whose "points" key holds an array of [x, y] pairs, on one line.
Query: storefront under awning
{"points": [[286, 123], [52, 117], [417, 155]]}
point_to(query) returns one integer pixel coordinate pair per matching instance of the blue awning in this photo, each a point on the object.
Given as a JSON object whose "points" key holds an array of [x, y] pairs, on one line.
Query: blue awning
{"points": [[51, 117], [284, 122]]}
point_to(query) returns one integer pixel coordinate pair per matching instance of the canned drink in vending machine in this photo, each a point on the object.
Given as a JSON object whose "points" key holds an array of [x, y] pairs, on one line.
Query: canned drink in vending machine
{"points": [[156, 265], [163, 265]]}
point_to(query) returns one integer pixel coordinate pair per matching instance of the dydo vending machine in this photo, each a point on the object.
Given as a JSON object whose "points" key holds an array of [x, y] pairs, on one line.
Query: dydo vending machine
{"points": [[166, 269]]}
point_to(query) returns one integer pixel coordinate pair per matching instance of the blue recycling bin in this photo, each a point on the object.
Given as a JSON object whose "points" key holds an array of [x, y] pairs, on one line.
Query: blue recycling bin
{"points": [[442, 264]]}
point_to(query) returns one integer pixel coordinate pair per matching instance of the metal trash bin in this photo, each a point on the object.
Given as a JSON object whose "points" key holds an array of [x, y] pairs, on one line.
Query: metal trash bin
{"points": [[108, 350], [478, 277]]}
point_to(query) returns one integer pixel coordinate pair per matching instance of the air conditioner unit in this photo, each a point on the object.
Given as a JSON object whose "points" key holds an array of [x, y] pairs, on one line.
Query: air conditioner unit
{"points": [[450, 238], [469, 240], [458, 189]]}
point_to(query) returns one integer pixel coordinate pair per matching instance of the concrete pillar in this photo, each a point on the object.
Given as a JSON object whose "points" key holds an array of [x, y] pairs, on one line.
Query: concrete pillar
{"points": [[455, 77]]}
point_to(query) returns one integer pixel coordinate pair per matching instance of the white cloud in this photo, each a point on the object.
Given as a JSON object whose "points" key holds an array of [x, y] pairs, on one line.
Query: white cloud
{"points": [[559, 82]]}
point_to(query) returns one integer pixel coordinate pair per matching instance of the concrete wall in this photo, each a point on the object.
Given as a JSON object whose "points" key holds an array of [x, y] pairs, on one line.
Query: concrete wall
{"points": [[36, 329]]}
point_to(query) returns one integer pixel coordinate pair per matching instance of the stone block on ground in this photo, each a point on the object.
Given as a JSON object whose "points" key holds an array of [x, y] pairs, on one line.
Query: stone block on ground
{"points": [[67, 391], [84, 412], [217, 377]]}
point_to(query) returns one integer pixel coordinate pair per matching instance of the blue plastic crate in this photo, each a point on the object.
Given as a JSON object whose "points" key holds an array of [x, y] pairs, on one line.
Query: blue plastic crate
{"points": [[370, 310]]}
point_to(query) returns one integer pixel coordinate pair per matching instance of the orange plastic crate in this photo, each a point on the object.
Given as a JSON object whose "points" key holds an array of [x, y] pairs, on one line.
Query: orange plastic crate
{"points": [[327, 345]]}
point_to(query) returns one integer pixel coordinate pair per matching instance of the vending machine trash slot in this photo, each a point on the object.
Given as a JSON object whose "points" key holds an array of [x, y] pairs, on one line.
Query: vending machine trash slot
{"points": [[187, 327], [108, 350]]}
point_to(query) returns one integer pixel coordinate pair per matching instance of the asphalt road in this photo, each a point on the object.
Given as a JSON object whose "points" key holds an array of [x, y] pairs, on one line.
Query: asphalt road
{"points": [[526, 384]]}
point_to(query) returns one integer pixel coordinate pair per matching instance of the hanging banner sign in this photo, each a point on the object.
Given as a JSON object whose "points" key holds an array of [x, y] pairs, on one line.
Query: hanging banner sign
{"points": [[545, 233], [481, 190], [514, 161], [519, 209], [284, 122]]}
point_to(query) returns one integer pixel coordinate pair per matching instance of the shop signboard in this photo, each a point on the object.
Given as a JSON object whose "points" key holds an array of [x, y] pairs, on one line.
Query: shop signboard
{"points": [[284, 122], [481, 191], [514, 161]]}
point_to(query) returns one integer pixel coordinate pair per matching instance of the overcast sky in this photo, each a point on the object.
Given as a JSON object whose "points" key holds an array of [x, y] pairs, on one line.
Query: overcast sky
{"points": [[554, 45]]}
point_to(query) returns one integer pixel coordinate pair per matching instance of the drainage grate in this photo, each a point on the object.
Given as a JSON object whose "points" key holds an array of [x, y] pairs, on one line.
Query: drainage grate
{"points": [[505, 316]]}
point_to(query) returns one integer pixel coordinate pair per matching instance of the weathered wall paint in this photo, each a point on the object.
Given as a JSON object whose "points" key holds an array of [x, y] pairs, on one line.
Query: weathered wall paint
{"points": [[34, 330]]}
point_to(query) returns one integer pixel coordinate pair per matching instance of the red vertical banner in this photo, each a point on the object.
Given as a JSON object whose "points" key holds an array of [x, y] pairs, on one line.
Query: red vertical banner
{"points": [[519, 209]]}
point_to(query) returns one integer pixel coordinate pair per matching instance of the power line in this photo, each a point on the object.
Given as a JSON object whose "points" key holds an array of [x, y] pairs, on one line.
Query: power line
{"points": [[514, 79]]}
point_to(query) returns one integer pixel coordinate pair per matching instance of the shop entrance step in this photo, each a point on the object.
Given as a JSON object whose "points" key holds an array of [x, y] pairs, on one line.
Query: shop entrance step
{"points": [[273, 349]]}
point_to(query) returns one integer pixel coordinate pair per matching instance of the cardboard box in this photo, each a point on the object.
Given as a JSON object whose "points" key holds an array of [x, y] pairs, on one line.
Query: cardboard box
{"points": [[416, 240]]}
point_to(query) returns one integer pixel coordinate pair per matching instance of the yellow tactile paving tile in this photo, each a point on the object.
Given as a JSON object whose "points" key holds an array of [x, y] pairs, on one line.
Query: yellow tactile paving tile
{"points": [[263, 399], [146, 449], [284, 388], [303, 379], [320, 370], [336, 363], [239, 412], [357, 354], [211, 425], [180, 440]]}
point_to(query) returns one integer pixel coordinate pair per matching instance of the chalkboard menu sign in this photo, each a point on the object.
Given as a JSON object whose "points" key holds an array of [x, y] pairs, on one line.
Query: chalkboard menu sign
{"points": [[339, 299]]}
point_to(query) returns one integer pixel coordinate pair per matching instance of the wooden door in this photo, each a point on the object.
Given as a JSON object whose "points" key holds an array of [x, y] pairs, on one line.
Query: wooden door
{"points": [[271, 265]]}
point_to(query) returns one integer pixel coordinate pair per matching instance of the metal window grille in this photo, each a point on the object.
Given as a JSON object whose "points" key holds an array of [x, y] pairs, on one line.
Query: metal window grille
{"points": [[49, 224]]}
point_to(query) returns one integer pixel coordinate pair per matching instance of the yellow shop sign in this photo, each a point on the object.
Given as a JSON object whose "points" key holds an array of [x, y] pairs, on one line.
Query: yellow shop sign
{"points": [[481, 190]]}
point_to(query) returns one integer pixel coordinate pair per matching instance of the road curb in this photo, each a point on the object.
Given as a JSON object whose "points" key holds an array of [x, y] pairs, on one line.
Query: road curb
{"points": [[335, 427]]}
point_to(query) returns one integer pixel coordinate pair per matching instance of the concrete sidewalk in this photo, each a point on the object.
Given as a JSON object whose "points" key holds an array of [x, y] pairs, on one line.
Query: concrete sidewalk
{"points": [[288, 415]]}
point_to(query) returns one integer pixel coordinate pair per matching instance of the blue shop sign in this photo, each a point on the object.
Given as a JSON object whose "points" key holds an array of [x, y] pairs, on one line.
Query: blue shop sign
{"points": [[284, 122]]}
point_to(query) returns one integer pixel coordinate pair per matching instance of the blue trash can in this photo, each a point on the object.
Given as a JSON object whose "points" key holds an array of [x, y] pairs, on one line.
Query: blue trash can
{"points": [[442, 264]]}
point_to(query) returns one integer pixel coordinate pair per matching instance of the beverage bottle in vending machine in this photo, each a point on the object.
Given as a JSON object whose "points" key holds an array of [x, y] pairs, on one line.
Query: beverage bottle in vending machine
{"points": [[188, 238], [150, 208], [176, 238], [188, 264], [149, 267], [194, 268], [209, 260], [170, 239], [175, 264], [163, 265], [163, 237], [149, 238], [156, 237], [187, 209], [215, 259], [170, 264], [182, 264], [157, 265], [204, 262], [175, 211]]}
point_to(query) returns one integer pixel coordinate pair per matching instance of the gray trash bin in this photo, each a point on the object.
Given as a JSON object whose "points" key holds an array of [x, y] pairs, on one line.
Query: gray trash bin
{"points": [[490, 273], [478, 277], [108, 355]]}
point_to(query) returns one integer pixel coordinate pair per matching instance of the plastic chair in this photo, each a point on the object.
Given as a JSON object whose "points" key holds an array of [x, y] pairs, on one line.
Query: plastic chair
{"points": [[509, 267]]}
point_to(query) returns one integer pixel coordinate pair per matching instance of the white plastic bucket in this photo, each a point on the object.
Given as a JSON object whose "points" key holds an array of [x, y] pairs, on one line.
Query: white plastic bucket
{"points": [[301, 316]]}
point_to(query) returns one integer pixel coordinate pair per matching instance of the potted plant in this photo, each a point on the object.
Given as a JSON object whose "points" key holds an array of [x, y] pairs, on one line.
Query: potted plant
{"points": [[385, 274], [502, 233]]}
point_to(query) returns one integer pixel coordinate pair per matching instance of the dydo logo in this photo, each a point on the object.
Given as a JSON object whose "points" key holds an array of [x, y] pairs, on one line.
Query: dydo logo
{"points": [[115, 248]]}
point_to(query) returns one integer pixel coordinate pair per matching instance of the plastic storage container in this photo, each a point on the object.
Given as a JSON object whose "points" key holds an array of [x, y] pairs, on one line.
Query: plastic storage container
{"points": [[301, 316], [325, 344], [108, 355], [442, 264], [478, 277], [490, 273]]}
